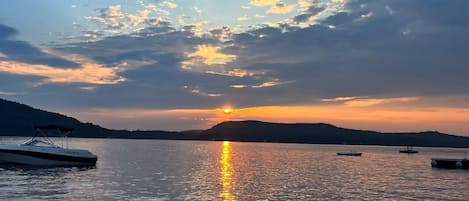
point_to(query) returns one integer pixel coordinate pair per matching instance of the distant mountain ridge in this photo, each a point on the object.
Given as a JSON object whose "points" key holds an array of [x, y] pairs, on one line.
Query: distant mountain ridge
{"points": [[18, 120]]}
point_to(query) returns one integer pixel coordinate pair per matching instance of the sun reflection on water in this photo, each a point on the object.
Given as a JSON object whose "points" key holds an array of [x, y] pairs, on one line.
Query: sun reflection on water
{"points": [[226, 172]]}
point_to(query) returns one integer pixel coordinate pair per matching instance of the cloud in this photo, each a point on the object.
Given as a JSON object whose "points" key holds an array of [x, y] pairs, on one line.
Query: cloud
{"points": [[236, 73], [272, 83], [354, 101], [305, 4], [88, 88], [276, 7], [51, 66], [20, 51], [238, 86], [370, 60], [112, 19], [197, 10], [88, 73], [259, 16], [91, 35], [208, 55], [3, 56], [208, 59], [281, 8], [196, 28], [243, 18], [6, 31], [366, 102], [362, 57], [169, 4], [312, 11], [337, 99], [261, 3], [6, 93], [199, 92]]}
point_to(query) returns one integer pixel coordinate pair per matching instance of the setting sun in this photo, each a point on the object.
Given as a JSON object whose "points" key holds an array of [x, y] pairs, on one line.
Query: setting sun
{"points": [[227, 110]]}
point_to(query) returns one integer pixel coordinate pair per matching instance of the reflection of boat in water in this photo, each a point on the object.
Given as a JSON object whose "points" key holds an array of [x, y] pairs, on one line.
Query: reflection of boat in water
{"points": [[349, 153], [409, 150], [43, 152]]}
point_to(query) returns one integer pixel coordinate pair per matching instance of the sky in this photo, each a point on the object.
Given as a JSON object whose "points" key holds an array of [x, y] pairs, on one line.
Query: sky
{"points": [[385, 65]]}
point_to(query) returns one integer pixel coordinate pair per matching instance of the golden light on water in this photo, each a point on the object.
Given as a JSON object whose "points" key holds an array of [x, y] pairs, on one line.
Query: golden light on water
{"points": [[226, 172]]}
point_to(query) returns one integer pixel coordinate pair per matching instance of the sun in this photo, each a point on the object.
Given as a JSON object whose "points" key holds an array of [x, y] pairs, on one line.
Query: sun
{"points": [[227, 110]]}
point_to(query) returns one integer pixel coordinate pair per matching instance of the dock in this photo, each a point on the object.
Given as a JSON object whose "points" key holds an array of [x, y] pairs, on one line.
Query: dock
{"points": [[450, 163]]}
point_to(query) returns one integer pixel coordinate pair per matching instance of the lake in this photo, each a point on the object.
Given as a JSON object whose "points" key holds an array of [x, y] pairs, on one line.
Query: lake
{"points": [[202, 170]]}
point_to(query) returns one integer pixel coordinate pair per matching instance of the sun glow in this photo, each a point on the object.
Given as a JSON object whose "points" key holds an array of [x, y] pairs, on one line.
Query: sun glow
{"points": [[395, 114], [227, 110]]}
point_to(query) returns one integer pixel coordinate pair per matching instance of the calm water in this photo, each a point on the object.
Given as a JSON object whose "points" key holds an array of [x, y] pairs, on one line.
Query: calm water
{"points": [[193, 170]]}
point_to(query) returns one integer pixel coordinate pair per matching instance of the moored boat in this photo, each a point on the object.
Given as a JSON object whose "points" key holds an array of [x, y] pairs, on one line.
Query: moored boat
{"points": [[349, 153], [409, 150], [43, 152]]}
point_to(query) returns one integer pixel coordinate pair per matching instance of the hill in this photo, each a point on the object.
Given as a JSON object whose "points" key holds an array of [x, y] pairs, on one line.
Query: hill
{"points": [[18, 120], [320, 133]]}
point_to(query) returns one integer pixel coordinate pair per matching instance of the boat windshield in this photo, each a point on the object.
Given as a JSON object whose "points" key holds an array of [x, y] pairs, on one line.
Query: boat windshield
{"points": [[37, 142]]}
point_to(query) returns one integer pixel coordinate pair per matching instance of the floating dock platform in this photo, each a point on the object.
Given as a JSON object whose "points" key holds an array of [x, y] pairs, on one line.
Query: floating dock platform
{"points": [[450, 163]]}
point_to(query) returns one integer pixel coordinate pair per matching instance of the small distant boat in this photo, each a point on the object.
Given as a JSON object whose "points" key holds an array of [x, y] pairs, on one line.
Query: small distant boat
{"points": [[349, 153], [409, 150], [43, 152]]}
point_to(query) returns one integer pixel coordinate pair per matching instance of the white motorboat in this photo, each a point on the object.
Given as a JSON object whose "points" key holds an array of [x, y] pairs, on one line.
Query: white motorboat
{"points": [[43, 152]]}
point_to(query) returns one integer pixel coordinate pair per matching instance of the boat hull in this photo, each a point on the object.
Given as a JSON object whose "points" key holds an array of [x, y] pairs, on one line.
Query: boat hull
{"points": [[25, 157], [408, 152], [349, 154]]}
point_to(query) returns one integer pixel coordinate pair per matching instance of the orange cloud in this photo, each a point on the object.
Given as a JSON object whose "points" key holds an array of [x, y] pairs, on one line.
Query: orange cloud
{"points": [[208, 59], [210, 55], [354, 101], [364, 102], [272, 83], [91, 73]]}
